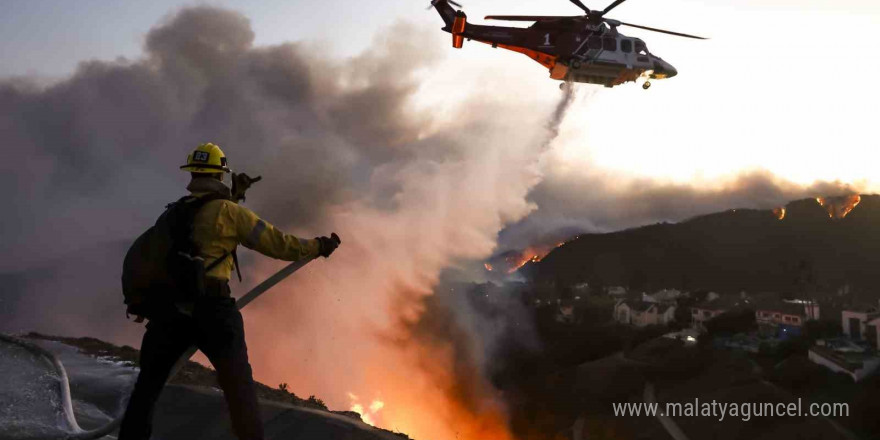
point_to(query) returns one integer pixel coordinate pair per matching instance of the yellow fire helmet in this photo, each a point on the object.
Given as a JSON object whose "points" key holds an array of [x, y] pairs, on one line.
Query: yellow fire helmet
{"points": [[206, 159]]}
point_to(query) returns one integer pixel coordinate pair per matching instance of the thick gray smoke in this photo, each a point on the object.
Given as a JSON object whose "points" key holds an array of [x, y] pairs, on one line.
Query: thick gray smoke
{"points": [[103, 147], [91, 160], [592, 200]]}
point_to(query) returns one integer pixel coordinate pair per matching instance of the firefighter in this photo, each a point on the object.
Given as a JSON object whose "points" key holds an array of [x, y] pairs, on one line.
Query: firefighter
{"points": [[211, 322]]}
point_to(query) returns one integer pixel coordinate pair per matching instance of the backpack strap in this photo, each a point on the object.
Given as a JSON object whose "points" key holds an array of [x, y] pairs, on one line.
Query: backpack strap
{"points": [[216, 262], [235, 262], [223, 257], [201, 202]]}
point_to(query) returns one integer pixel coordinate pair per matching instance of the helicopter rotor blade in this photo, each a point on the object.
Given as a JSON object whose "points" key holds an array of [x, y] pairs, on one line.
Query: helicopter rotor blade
{"points": [[662, 31], [530, 17], [612, 6], [582, 6], [451, 2]]}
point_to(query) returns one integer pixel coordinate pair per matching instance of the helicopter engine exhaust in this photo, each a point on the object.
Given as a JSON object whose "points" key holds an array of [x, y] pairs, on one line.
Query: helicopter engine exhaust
{"points": [[457, 29]]}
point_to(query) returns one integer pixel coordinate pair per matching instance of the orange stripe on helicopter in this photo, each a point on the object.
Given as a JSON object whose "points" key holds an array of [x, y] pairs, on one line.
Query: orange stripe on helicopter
{"points": [[544, 59]]}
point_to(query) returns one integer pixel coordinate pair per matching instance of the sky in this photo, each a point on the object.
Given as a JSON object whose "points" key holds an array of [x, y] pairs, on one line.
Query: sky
{"points": [[795, 76]]}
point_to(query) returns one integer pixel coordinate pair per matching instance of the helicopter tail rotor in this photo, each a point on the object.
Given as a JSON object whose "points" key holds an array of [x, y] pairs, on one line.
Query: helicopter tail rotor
{"points": [[451, 18], [434, 3]]}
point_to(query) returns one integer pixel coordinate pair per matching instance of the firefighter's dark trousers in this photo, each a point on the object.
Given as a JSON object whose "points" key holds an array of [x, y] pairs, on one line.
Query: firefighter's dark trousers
{"points": [[217, 330]]}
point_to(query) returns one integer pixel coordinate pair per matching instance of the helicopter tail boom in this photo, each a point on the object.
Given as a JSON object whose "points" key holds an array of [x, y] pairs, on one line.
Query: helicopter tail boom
{"points": [[447, 13]]}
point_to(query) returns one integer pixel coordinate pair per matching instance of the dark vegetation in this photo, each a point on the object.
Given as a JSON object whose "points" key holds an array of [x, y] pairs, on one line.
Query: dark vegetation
{"points": [[731, 251], [732, 322]]}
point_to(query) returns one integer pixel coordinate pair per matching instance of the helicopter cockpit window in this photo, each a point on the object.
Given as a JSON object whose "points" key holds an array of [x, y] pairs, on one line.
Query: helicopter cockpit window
{"points": [[641, 49], [609, 44], [626, 45], [594, 43]]}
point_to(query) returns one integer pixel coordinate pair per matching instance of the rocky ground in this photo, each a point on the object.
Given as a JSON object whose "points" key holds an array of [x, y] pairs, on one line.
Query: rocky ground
{"points": [[191, 406]]}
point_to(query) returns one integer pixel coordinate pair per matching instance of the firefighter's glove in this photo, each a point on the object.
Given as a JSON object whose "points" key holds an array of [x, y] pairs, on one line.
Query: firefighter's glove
{"points": [[328, 244], [240, 184]]}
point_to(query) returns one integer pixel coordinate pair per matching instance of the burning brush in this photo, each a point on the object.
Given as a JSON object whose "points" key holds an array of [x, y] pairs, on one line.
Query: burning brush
{"points": [[838, 207], [511, 261]]}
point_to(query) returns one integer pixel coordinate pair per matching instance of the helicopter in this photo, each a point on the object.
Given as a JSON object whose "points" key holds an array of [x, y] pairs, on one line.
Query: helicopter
{"points": [[580, 48]]}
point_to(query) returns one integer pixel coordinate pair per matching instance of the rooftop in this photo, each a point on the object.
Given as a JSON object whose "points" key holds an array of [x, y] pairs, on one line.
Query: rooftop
{"points": [[726, 302], [850, 361], [637, 305], [787, 308]]}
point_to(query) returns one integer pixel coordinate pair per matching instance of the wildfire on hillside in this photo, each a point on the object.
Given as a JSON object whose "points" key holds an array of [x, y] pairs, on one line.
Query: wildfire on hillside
{"points": [[779, 212], [839, 207], [369, 413], [526, 257], [509, 262]]}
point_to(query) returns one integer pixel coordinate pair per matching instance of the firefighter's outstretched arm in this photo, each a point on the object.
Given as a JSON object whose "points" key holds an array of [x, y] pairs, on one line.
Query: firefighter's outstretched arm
{"points": [[259, 235]]}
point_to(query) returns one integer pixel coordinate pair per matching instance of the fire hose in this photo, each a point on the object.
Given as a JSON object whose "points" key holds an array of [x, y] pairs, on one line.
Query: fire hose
{"points": [[64, 384]]}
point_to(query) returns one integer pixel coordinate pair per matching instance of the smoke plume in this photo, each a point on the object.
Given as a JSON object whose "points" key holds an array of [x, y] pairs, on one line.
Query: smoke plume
{"points": [[341, 147]]}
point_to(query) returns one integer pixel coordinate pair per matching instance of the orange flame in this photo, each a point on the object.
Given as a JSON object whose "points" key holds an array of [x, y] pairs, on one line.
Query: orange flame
{"points": [[779, 212], [369, 413], [522, 260], [839, 207], [532, 254], [488, 266]]}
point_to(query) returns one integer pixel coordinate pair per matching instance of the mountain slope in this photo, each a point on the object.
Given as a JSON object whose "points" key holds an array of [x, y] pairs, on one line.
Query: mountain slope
{"points": [[740, 249]]}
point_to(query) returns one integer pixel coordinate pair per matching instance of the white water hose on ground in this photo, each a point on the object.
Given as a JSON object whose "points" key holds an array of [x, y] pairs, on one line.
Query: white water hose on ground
{"points": [[64, 385]]}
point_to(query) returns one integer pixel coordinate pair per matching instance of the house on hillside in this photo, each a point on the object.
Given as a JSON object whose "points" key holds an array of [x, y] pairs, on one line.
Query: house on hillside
{"points": [[862, 323], [811, 308], [784, 318], [665, 313], [842, 356], [616, 291], [706, 310], [662, 296], [641, 313], [581, 287]]}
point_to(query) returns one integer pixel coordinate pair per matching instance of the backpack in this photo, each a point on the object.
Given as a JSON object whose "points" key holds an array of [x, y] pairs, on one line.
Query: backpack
{"points": [[163, 265]]}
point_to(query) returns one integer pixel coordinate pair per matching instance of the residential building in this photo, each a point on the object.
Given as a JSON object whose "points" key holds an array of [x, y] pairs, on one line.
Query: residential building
{"points": [[581, 287], [706, 310], [662, 296], [617, 291], [642, 313], [784, 318], [862, 323], [811, 308], [842, 356]]}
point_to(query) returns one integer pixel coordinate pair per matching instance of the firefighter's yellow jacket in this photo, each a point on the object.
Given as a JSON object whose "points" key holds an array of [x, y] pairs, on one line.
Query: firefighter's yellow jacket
{"points": [[221, 225]]}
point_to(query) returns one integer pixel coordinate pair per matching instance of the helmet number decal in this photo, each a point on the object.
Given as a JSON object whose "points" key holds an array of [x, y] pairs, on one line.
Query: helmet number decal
{"points": [[200, 156]]}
